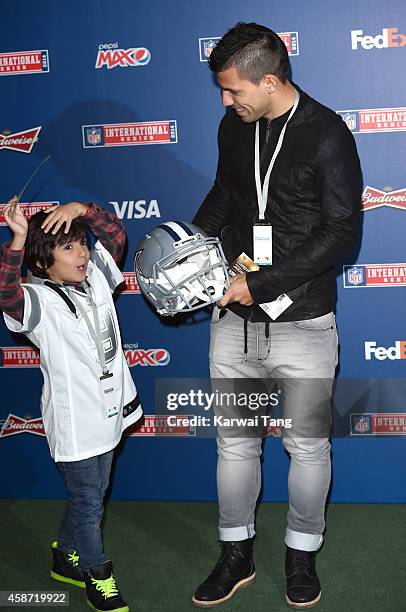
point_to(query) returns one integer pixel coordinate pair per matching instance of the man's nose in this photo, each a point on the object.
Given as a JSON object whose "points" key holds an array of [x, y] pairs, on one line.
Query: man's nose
{"points": [[227, 98]]}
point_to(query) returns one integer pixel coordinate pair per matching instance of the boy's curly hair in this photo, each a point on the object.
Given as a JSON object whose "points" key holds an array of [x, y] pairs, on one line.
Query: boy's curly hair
{"points": [[39, 246]]}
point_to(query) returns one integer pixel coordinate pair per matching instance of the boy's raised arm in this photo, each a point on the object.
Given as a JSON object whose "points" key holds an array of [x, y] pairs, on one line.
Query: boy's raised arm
{"points": [[11, 259], [102, 223]]}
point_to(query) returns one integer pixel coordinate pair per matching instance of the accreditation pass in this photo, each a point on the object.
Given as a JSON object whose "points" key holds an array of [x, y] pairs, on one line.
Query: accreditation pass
{"points": [[262, 242]]}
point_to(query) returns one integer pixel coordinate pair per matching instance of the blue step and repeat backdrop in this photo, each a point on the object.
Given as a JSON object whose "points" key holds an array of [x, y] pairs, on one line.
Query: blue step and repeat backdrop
{"points": [[91, 84]]}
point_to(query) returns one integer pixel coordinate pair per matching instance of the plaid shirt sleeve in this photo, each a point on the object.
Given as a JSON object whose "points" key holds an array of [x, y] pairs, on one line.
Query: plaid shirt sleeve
{"points": [[108, 229], [11, 292]]}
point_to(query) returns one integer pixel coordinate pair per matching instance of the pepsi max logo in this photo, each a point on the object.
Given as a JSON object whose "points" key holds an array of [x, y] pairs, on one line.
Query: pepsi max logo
{"points": [[147, 357], [125, 58]]}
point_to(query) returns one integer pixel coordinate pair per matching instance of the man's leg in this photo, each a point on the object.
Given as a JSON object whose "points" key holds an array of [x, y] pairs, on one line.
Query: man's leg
{"points": [[239, 452], [304, 354]]}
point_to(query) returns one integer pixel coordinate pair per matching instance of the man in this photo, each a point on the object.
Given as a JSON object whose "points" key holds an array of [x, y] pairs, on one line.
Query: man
{"points": [[287, 193]]}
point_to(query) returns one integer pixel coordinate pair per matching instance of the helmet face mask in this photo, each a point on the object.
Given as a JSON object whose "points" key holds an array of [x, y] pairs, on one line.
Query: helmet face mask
{"points": [[180, 269]]}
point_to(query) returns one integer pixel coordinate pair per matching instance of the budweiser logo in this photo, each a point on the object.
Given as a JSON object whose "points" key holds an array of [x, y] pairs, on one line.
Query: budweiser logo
{"points": [[21, 141], [374, 198], [15, 425]]}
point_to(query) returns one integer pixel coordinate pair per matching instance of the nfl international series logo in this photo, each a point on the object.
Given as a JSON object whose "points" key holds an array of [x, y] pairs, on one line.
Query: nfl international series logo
{"points": [[157, 425], [24, 62], [291, 40], [375, 275], [378, 424], [28, 210], [127, 134], [206, 45], [375, 120], [129, 285], [19, 357]]}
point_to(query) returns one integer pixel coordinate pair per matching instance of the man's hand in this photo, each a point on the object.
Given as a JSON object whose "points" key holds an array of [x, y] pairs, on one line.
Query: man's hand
{"points": [[15, 219], [58, 215], [237, 292]]}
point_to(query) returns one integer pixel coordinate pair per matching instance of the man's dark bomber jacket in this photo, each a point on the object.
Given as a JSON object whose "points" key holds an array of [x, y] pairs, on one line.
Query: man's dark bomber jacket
{"points": [[313, 206]]}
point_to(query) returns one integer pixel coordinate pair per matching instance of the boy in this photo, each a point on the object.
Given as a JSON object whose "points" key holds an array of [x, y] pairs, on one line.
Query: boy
{"points": [[88, 397]]}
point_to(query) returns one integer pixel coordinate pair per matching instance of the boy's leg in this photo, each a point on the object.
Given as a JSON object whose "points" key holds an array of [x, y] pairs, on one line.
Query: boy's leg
{"points": [[66, 541], [86, 482]]}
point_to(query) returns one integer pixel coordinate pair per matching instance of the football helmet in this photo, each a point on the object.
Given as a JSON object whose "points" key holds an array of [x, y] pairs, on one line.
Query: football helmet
{"points": [[179, 268]]}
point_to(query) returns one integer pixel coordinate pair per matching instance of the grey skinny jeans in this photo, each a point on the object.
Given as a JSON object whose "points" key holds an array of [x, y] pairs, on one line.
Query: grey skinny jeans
{"points": [[302, 356]]}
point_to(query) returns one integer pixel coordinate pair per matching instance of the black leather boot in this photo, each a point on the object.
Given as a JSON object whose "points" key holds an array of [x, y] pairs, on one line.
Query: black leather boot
{"points": [[234, 569], [303, 586]]}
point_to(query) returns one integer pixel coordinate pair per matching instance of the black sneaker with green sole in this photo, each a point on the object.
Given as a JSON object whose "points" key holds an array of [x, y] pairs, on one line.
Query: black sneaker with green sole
{"points": [[101, 589], [66, 568]]}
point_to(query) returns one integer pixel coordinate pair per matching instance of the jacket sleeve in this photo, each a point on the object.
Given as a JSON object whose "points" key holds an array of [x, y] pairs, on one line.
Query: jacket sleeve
{"points": [[108, 229], [11, 292], [215, 212], [338, 176]]}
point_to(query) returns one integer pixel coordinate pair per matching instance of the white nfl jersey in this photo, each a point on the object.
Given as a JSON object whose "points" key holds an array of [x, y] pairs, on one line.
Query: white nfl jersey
{"points": [[72, 406]]}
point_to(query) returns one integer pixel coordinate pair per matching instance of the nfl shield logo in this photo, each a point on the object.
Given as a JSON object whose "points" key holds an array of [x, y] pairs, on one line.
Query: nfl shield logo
{"points": [[351, 120], [208, 48], [361, 424], [355, 276], [94, 136]]}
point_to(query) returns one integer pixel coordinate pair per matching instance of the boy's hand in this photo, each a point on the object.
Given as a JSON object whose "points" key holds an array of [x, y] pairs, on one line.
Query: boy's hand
{"points": [[58, 215], [15, 219]]}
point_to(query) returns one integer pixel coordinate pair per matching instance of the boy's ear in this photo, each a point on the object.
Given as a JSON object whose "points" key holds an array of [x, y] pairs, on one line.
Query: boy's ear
{"points": [[40, 266]]}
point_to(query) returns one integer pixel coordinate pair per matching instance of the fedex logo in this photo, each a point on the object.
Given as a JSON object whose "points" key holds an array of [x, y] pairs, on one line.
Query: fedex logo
{"points": [[398, 351], [390, 37]]}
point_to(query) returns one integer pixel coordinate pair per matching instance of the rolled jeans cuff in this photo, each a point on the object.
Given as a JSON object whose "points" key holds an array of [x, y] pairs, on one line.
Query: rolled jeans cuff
{"points": [[303, 541], [236, 534]]}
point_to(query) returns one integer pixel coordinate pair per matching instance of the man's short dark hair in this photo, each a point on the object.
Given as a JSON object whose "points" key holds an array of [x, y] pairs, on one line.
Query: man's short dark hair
{"points": [[39, 246], [254, 51]]}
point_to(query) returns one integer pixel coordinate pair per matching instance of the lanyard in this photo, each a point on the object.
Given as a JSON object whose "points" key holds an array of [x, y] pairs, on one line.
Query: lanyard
{"points": [[262, 193], [94, 331]]}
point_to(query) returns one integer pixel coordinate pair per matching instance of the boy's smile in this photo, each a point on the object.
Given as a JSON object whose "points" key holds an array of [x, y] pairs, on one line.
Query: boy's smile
{"points": [[70, 262]]}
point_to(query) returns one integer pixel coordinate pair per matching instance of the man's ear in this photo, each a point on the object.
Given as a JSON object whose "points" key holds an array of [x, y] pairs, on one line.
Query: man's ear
{"points": [[270, 82]]}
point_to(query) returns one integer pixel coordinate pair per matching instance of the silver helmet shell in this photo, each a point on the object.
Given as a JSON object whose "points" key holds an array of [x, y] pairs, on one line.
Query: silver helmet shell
{"points": [[179, 268]]}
